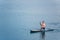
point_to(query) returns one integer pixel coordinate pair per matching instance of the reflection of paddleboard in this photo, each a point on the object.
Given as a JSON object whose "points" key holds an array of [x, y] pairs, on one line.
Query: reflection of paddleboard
{"points": [[34, 31]]}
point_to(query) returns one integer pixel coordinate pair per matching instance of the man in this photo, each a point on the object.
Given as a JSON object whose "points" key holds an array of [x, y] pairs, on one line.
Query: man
{"points": [[43, 25]]}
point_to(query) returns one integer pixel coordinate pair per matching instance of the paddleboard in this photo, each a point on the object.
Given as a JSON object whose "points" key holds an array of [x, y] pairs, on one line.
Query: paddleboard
{"points": [[46, 30]]}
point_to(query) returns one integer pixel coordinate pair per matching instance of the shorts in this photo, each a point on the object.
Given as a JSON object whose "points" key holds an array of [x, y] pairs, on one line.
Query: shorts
{"points": [[42, 28]]}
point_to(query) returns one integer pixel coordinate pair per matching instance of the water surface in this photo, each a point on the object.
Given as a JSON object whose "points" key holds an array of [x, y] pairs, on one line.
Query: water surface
{"points": [[18, 17]]}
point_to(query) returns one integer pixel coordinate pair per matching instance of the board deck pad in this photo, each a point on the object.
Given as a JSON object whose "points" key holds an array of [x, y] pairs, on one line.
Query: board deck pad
{"points": [[46, 30]]}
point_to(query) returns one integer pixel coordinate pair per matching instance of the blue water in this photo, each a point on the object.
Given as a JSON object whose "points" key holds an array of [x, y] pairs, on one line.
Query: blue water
{"points": [[18, 17]]}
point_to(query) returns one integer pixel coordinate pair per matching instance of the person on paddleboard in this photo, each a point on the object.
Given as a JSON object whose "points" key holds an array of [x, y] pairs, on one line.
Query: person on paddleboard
{"points": [[43, 25]]}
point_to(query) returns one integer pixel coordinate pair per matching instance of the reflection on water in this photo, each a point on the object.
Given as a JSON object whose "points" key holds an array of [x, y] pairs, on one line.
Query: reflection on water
{"points": [[42, 35]]}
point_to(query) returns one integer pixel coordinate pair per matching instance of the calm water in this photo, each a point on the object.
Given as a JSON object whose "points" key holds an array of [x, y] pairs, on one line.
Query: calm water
{"points": [[18, 17]]}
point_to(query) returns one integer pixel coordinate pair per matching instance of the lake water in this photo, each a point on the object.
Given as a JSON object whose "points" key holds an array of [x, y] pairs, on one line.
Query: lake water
{"points": [[18, 17]]}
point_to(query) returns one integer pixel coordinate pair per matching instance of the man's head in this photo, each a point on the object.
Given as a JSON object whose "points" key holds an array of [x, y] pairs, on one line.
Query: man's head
{"points": [[43, 21]]}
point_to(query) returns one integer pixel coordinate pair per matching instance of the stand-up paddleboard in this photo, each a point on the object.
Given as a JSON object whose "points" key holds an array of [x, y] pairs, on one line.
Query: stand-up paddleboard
{"points": [[43, 30]]}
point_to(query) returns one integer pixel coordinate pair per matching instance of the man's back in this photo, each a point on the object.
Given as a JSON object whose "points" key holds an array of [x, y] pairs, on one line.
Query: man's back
{"points": [[43, 25]]}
